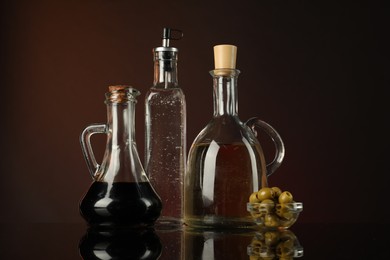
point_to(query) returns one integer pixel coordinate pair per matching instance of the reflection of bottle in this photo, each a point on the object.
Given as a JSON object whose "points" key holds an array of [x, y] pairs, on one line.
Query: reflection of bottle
{"points": [[202, 244], [226, 162], [172, 242], [165, 123], [121, 194], [120, 244]]}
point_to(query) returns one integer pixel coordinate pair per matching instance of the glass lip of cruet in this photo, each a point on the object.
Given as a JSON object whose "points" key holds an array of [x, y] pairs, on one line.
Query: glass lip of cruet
{"points": [[225, 72]]}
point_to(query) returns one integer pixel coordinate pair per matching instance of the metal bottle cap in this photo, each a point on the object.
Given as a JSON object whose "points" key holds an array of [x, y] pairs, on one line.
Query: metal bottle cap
{"points": [[167, 52]]}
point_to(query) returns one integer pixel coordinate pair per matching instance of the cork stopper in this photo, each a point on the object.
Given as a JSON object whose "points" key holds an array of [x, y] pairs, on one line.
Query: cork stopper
{"points": [[225, 56], [121, 94], [116, 87]]}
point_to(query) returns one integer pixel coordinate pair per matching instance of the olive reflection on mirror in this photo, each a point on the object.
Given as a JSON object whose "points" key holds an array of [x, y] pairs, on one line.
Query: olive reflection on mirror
{"points": [[275, 244]]}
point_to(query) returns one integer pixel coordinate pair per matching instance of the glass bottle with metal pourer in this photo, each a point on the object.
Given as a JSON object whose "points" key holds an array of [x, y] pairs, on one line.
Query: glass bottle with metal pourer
{"points": [[226, 163], [120, 194], [165, 123]]}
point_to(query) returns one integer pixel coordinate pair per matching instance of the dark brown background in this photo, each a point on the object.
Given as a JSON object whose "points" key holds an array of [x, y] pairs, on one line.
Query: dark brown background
{"points": [[314, 71]]}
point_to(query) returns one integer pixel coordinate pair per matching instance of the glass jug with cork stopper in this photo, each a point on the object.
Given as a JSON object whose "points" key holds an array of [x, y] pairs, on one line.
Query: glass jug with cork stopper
{"points": [[120, 195], [226, 162]]}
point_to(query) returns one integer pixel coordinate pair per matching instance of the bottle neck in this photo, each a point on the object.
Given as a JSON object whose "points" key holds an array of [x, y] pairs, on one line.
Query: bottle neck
{"points": [[121, 123], [165, 68], [225, 92]]}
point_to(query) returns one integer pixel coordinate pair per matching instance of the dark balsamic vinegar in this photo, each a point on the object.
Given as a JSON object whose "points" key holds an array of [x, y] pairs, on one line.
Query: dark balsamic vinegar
{"points": [[121, 204]]}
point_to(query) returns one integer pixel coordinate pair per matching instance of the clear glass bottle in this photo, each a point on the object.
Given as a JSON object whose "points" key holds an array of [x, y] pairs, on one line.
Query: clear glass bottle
{"points": [[226, 162], [120, 194], [165, 123]]}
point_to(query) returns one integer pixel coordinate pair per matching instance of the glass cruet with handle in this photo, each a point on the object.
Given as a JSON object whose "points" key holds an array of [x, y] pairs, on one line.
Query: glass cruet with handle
{"points": [[120, 194], [226, 163]]}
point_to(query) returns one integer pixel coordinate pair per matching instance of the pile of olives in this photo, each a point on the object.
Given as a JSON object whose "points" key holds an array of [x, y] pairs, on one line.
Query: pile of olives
{"points": [[280, 245], [272, 207]]}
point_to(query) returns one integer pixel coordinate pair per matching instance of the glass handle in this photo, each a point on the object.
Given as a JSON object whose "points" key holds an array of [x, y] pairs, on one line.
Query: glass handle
{"points": [[254, 122], [85, 140]]}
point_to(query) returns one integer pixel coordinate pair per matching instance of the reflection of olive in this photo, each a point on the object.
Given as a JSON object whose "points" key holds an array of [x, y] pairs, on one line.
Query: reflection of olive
{"points": [[265, 193], [267, 253], [287, 235], [273, 245], [285, 197], [285, 248], [289, 243], [271, 238], [257, 244]]}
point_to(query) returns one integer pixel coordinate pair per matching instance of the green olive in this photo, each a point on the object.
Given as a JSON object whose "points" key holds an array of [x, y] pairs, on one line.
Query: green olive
{"points": [[267, 206], [265, 193], [253, 198], [277, 191], [256, 215], [285, 211], [289, 215], [268, 202], [285, 197], [271, 220]]}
